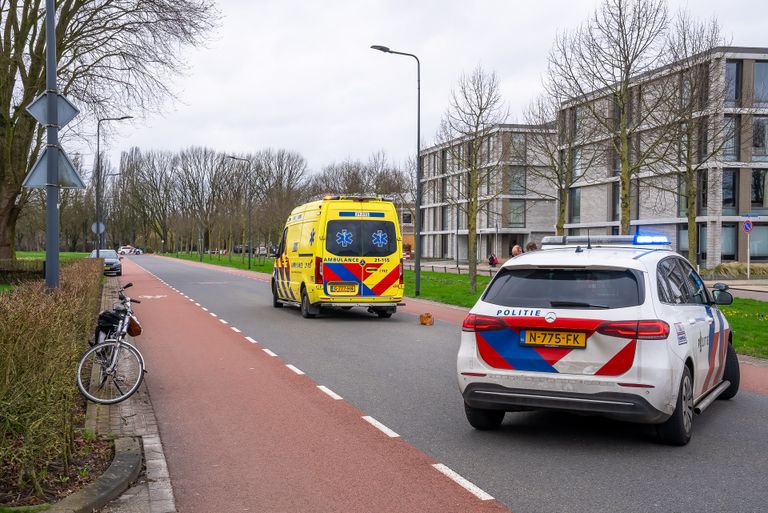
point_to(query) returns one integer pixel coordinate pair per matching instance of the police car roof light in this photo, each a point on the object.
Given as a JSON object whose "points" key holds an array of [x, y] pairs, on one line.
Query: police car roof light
{"points": [[605, 240], [651, 239]]}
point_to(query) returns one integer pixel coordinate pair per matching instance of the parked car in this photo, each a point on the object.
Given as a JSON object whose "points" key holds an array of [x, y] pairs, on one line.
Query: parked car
{"points": [[616, 326], [112, 263]]}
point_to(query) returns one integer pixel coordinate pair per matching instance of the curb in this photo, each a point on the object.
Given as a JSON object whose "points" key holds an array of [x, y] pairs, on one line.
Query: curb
{"points": [[123, 471]]}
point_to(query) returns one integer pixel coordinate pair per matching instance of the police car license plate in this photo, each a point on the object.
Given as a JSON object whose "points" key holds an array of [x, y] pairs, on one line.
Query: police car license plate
{"points": [[343, 288], [554, 339]]}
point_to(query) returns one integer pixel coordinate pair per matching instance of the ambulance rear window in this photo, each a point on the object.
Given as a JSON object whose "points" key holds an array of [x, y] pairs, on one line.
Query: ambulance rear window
{"points": [[357, 237]]}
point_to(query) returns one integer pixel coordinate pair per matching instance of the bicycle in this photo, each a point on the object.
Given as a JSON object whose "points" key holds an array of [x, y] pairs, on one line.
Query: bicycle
{"points": [[112, 369]]}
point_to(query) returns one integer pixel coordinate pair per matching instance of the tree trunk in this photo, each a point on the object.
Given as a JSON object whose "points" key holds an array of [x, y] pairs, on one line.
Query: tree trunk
{"points": [[691, 192], [561, 211], [625, 175], [9, 214]]}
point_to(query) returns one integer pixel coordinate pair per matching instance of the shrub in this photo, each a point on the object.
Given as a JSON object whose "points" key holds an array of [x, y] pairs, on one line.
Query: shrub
{"points": [[739, 270], [42, 335]]}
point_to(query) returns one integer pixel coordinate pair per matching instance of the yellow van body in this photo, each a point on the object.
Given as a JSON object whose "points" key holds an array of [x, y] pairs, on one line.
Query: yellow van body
{"points": [[342, 251]]}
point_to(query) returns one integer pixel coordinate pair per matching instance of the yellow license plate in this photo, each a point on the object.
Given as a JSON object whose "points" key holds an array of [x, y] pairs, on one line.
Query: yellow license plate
{"points": [[344, 288], [554, 338]]}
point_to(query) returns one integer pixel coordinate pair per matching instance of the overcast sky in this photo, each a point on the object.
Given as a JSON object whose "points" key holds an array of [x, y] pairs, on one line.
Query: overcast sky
{"points": [[300, 75]]}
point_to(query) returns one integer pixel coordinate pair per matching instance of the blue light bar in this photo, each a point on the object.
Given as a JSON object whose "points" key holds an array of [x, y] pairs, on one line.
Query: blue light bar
{"points": [[651, 239]]}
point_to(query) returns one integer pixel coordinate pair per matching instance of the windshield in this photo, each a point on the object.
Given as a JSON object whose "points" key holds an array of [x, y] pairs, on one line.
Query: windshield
{"points": [[361, 238], [104, 253], [566, 288]]}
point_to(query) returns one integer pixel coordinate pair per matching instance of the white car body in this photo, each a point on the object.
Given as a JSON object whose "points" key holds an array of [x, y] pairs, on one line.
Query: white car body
{"points": [[625, 370]]}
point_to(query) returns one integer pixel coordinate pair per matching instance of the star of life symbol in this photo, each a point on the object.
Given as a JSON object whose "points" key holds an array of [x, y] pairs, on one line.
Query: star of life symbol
{"points": [[380, 239], [312, 237], [344, 238]]}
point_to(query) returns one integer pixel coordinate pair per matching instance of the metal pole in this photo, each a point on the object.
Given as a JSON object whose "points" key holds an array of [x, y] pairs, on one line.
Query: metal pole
{"points": [[98, 189], [749, 250], [250, 202], [52, 143]]}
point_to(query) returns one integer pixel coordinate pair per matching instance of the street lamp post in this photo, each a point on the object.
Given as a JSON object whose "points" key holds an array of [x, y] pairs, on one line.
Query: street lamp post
{"points": [[250, 202], [99, 232], [417, 283]]}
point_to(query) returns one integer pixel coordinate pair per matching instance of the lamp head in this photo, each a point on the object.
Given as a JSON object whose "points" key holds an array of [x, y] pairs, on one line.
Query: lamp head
{"points": [[381, 48]]}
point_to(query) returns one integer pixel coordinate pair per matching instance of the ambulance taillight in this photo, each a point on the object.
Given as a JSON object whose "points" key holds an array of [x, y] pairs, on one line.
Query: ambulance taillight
{"points": [[318, 270], [402, 271]]}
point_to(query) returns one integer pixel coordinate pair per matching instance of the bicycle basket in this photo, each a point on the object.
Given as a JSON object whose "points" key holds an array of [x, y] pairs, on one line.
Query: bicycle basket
{"points": [[134, 327], [107, 323]]}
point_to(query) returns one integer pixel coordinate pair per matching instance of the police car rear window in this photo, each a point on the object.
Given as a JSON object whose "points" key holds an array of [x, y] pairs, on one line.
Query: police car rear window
{"points": [[566, 288], [355, 237]]}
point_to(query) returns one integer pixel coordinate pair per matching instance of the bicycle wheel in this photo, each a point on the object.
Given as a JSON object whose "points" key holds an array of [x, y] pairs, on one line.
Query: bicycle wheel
{"points": [[110, 372]]}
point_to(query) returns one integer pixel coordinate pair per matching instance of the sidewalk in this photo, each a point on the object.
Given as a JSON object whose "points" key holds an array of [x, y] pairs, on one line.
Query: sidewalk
{"points": [[135, 417]]}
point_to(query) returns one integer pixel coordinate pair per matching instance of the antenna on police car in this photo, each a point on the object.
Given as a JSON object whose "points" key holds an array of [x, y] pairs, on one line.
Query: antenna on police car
{"points": [[589, 244]]}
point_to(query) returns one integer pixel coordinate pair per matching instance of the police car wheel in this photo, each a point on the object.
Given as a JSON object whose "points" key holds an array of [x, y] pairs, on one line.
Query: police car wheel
{"points": [[678, 428], [483, 420], [731, 373], [275, 302], [305, 306]]}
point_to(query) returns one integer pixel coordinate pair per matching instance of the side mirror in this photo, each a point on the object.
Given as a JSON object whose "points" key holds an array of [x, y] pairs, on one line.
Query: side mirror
{"points": [[720, 286], [722, 297], [121, 258]]}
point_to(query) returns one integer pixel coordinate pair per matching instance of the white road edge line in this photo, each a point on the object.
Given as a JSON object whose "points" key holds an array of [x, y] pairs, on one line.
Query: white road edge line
{"points": [[295, 369], [270, 353], [235, 329], [249, 339], [223, 321], [381, 427], [329, 392], [467, 485]]}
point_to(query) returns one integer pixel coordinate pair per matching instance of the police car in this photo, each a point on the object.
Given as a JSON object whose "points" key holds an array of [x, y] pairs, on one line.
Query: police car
{"points": [[619, 326]]}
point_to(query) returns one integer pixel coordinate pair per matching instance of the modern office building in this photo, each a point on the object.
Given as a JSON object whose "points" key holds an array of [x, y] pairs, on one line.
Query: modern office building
{"points": [[732, 186], [515, 206]]}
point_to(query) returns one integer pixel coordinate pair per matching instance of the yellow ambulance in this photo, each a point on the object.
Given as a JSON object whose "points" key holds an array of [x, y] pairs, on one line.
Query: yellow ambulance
{"points": [[340, 251]]}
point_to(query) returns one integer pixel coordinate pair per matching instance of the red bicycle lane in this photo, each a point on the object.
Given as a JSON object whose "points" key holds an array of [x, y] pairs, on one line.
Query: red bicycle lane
{"points": [[244, 432]]}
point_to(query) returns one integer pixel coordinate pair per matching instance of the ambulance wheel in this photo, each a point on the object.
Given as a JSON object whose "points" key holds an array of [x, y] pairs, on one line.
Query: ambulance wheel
{"points": [[483, 420], [383, 314], [678, 428], [305, 306], [731, 373], [275, 302]]}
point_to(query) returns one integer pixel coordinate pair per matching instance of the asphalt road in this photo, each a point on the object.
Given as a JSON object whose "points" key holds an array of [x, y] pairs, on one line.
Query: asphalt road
{"points": [[403, 374]]}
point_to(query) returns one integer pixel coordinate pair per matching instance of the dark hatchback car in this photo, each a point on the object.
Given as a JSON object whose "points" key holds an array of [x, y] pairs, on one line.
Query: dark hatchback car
{"points": [[111, 261]]}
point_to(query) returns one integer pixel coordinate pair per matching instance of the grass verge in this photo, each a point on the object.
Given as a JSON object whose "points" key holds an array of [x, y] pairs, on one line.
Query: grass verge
{"points": [[258, 264], [40, 255], [747, 318]]}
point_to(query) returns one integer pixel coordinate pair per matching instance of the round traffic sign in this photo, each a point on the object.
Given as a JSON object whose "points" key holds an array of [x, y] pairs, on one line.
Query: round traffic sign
{"points": [[101, 228], [747, 226]]}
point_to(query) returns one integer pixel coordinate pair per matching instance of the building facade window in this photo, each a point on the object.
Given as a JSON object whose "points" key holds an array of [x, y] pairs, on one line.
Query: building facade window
{"points": [[761, 84], [732, 83], [444, 189], [517, 148], [730, 189], [760, 138], [702, 192], [760, 191], [758, 242], [461, 219], [517, 180], [731, 138], [443, 162], [517, 213], [574, 206], [578, 164], [407, 218], [616, 206]]}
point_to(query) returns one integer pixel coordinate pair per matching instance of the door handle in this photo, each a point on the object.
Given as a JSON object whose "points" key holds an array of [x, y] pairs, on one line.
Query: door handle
{"points": [[691, 321]]}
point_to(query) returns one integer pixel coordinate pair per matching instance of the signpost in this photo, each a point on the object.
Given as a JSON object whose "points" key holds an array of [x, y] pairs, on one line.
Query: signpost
{"points": [[747, 226], [53, 169]]}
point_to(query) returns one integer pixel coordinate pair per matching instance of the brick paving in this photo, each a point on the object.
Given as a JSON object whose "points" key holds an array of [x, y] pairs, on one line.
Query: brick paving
{"points": [[152, 493]]}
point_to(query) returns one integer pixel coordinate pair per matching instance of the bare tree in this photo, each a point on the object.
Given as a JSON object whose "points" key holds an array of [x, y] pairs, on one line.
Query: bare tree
{"points": [[113, 56], [598, 66], [696, 119], [476, 110]]}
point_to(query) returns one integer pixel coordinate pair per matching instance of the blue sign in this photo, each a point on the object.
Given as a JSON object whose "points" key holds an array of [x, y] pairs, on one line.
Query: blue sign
{"points": [[747, 226]]}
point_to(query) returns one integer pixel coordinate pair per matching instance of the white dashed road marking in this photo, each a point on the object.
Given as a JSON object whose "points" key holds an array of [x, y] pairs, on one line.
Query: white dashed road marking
{"points": [[213, 314], [235, 329], [223, 321], [329, 392], [467, 485], [295, 369], [249, 339], [381, 427], [270, 353]]}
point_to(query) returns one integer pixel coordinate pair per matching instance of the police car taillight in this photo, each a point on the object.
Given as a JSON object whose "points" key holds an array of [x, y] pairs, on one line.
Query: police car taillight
{"points": [[473, 322], [640, 330], [318, 270]]}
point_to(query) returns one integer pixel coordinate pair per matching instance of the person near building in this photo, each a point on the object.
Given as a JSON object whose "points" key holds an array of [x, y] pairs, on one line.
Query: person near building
{"points": [[531, 246], [517, 250]]}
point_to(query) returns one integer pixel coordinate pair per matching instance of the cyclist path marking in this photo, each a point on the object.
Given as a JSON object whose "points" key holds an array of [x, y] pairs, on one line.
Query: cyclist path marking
{"points": [[244, 431], [754, 372]]}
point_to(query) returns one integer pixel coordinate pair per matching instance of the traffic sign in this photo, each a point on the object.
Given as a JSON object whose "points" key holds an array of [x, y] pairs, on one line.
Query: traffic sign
{"points": [[101, 228], [39, 109], [747, 226], [68, 177]]}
